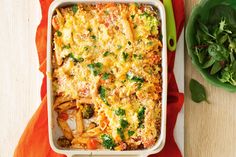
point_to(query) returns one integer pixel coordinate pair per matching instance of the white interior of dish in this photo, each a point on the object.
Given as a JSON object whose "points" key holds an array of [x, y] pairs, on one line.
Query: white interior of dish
{"points": [[55, 131]]}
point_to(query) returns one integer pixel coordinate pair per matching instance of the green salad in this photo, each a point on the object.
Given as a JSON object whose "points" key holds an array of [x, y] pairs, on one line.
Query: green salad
{"points": [[216, 43]]}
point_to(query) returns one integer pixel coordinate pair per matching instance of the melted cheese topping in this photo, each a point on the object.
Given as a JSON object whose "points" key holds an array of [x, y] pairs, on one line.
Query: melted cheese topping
{"points": [[111, 54]]}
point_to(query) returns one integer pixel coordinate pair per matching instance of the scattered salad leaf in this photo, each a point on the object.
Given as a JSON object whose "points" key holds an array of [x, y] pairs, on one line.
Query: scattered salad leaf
{"points": [[198, 93]]}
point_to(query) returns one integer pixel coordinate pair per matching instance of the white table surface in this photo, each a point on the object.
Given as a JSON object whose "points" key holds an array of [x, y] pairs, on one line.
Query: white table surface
{"points": [[20, 79]]}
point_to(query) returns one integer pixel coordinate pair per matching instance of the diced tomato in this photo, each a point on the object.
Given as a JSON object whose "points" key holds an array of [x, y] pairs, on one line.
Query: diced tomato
{"points": [[64, 116], [106, 24], [92, 144]]}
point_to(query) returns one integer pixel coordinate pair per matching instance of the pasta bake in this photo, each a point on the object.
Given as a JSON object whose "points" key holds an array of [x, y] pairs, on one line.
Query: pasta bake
{"points": [[107, 75]]}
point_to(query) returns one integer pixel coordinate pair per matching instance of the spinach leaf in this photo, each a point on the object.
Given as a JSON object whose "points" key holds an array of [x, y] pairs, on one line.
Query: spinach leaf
{"points": [[198, 93], [215, 68], [107, 141], [102, 93], [222, 11], [209, 63], [219, 53]]}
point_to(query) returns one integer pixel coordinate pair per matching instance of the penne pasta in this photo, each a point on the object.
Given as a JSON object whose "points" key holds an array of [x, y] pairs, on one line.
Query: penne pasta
{"points": [[59, 100], [65, 106], [65, 128], [79, 122]]}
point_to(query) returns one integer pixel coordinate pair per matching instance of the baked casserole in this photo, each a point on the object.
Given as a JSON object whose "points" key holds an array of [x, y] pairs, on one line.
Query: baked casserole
{"points": [[107, 75]]}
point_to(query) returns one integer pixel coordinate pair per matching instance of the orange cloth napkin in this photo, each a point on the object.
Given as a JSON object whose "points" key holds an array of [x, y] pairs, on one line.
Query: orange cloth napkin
{"points": [[34, 142]]}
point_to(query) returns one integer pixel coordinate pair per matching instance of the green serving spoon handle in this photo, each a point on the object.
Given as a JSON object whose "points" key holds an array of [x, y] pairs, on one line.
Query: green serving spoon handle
{"points": [[171, 29]]}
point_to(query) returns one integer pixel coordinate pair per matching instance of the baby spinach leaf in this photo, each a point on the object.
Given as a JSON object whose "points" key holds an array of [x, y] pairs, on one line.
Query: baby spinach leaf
{"points": [[209, 63], [218, 52], [198, 93], [215, 68]]}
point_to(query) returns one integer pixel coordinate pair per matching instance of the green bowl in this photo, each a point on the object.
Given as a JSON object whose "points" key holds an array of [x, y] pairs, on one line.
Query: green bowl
{"points": [[202, 10]]}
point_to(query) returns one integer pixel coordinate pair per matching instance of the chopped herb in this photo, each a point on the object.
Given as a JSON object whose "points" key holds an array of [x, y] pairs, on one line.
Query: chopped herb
{"points": [[106, 53], [130, 133], [59, 33], [120, 112], [136, 4], [95, 68], [123, 81], [124, 124], [90, 29], [129, 42], [140, 57], [132, 16], [141, 113], [135, 26], [79, 59], [150, 43], [120, 132], [130, 76], [135, 56], [105, 76], [66, 47], [125, 56], [102, 93], [107, 141], [86, 48], [139, 86], [141, 126], [106, 12], [119, 47], [144, 14], [93, 37], [75, 8]]}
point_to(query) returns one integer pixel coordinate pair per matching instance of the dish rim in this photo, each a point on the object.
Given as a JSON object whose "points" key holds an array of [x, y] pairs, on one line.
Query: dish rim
{"points": [[145, 152]]}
